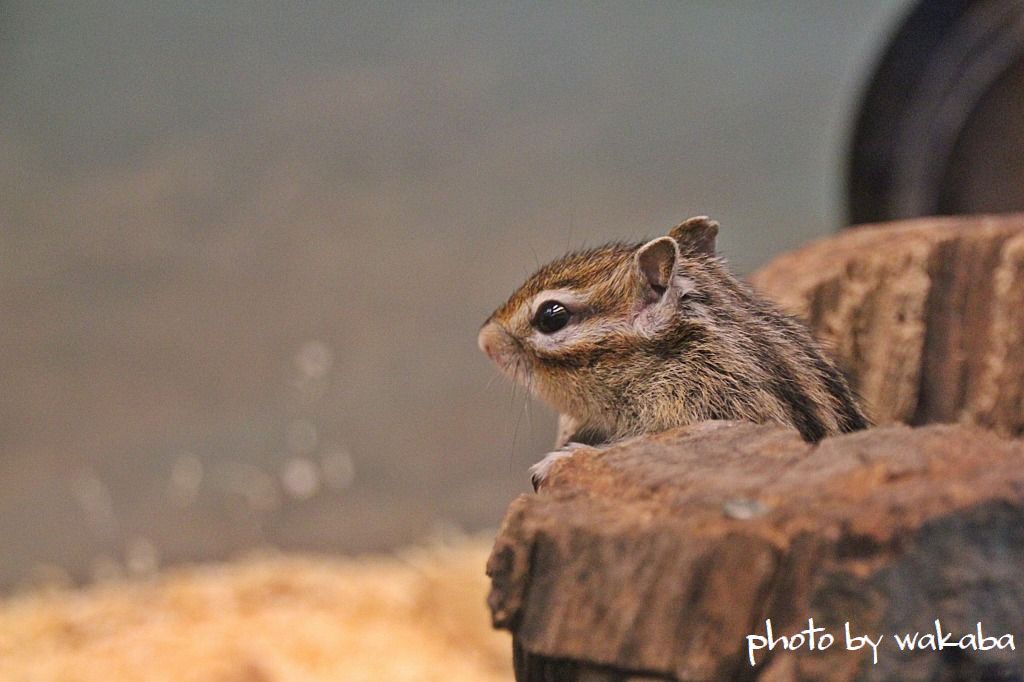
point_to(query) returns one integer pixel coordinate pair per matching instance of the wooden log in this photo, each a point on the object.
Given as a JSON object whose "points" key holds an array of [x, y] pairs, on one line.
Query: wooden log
{"points": [[655, 558], [926, 316]]}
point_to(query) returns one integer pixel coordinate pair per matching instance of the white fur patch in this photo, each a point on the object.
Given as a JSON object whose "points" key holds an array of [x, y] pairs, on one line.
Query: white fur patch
{"points": [[570, 298]]}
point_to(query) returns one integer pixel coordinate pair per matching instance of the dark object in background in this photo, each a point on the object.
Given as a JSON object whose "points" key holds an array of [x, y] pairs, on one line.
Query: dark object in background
{"points": [[941, 126]]}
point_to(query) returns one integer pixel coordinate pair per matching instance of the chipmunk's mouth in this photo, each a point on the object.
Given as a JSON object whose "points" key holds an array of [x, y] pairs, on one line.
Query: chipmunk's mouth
{"points": [[502, 349]]}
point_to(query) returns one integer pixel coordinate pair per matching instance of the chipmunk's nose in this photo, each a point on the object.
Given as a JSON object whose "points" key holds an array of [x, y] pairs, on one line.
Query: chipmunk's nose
{"points": [[492, 342]]}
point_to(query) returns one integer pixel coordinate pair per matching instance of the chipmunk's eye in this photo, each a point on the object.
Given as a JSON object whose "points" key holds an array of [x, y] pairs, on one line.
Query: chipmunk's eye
{"points": [[551, 316]]}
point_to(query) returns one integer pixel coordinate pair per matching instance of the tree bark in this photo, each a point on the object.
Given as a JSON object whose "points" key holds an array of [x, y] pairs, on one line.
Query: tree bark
{"points": [[655, 558]]}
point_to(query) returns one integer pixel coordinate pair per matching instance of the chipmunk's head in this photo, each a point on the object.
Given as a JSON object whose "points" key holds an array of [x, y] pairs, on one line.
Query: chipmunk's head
{"points": [[571, 328]]}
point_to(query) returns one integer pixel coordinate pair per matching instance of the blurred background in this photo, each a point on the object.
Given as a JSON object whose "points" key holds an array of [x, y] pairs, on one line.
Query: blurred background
{"points": [[245, 248]]}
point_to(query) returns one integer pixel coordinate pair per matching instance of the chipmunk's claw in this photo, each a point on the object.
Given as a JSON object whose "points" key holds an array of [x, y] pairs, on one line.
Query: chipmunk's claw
{"points": [[539, 471]]}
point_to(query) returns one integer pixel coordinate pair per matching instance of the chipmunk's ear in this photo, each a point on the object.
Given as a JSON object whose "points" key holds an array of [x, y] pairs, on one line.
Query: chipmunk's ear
{"points": [[697, 234], [657, 267], [656, 261]]}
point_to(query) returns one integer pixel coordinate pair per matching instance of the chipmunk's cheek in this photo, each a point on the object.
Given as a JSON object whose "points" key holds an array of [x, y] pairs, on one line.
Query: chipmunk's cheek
{"points": [[545, 386]]}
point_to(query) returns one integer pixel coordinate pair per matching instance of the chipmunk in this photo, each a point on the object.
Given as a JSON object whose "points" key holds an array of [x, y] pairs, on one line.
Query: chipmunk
{"points": [[627, 339]]}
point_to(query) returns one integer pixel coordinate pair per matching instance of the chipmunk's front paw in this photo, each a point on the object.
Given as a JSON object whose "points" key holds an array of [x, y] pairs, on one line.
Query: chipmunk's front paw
{"points": [[539, 471]]}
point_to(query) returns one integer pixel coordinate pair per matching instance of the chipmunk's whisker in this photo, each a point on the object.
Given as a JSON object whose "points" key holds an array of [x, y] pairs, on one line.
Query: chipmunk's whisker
{"points": [[490, 382]]}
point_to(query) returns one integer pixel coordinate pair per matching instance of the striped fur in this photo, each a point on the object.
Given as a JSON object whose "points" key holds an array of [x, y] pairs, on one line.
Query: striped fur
{"points": [[719, 352]]}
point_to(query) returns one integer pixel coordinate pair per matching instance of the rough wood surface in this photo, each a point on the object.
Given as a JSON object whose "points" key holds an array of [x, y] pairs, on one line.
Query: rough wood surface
{"points": [[926, 315], [655, 558]]}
